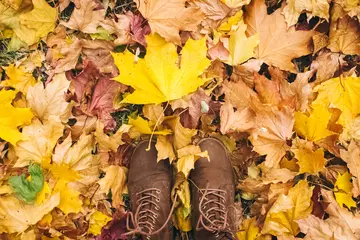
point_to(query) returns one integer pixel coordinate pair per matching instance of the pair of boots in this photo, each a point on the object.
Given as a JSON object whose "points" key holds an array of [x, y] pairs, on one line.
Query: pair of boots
{"points": [[212, 190]]}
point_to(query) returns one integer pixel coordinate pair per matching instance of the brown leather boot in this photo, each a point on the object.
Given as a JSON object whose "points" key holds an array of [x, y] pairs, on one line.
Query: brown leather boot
{"points": [[213, 191], [149, 186]]}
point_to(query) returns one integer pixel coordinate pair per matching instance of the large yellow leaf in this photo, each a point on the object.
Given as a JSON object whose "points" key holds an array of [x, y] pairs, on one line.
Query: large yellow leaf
{"points": [[278, 44], [280, 220], [16, 216], [69, 198], [18, 78], [42, 18], [158, 78], [38, 149], [343, 190], [313, 127], [11, 118], [341, 93], [51, 99], [168, 17]]}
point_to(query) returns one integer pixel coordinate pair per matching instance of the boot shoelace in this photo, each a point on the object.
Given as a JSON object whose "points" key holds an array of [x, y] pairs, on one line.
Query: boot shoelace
{"points": [[213, 213], [145, 218]]}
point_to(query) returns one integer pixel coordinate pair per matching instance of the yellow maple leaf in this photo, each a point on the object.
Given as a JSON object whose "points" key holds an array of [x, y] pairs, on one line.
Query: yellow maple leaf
{"points": [[158, 78], [69, 198], [343, 190], [248, 230], [40, 148], [43, 194], [309, 161], [73, 166], [30, 26], [313, 127], [50, 100], [42, 18], [11, 118], [280, 220], [241, 47], [16, 216], [18, 78], [97, 221], [341, 93], [142, 126], [187, 157]]}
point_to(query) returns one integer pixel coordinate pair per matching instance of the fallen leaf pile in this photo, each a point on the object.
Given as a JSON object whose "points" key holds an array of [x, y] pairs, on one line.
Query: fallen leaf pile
{"points": [[83, 81]]}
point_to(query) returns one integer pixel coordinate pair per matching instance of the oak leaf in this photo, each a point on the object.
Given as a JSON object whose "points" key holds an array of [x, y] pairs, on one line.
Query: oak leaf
{"points": [[50, 100], [167, 81], [294, 8], [168, 17], [352, 158], [278, 44], [280, 220], [16, 216], [11, 118]]}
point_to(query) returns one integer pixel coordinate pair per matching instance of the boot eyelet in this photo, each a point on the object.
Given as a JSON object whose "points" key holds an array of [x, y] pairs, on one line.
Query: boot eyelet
{"points": [[158, 191], [157, 199], [156, 215]]}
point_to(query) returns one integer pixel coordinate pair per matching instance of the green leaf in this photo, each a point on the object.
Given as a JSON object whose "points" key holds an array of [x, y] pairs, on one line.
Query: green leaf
{"points": [[28, 189]]}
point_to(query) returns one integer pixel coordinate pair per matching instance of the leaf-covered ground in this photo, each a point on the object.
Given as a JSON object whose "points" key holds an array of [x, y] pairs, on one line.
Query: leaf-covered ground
{"points": [[83, 81]]}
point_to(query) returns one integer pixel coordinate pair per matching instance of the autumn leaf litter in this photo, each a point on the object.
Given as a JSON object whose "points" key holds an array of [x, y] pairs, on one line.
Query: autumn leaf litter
{"points": [[83, 81]]}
